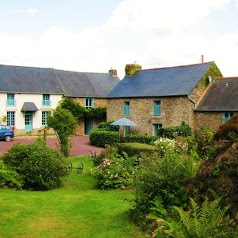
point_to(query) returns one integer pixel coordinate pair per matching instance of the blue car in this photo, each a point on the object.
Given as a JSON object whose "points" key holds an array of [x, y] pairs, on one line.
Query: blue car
{"points": [[6, 133]]}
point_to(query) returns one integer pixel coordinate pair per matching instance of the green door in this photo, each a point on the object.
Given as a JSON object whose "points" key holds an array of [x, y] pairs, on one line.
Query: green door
{"points": [[88, 126], [28, 121]]}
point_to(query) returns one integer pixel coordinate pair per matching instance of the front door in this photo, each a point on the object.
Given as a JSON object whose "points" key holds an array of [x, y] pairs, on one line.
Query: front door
{"points": [[88, 126], [28, 121]]}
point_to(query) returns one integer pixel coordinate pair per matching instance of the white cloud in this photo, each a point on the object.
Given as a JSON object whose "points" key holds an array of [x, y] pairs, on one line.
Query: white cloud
{"points": [[154, 33], [169, 15], [32, 11]]}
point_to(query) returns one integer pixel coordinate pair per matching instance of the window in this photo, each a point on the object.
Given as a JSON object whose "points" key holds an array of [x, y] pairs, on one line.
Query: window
{"points": [[226, 116], [89, 103], [11, 100], [156, 128], [126, 108], [11, 118], [44, 118], [46, 100], [157, 108]]}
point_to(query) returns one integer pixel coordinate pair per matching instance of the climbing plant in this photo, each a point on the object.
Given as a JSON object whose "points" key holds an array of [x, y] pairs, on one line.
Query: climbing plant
{"points": [[130, 69]]}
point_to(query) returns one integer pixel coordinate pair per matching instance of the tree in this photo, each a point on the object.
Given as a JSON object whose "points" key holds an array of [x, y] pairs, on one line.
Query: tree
{"points": [[74, 107], [64, 124]]}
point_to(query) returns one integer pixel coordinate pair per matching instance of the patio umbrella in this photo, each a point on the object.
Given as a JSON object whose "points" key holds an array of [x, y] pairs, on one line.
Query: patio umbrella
{"points": [[123, 122]]}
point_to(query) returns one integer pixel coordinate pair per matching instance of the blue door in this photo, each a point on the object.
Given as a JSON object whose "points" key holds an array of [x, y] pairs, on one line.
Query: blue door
{"points": [[88, 126], [28, 121]]}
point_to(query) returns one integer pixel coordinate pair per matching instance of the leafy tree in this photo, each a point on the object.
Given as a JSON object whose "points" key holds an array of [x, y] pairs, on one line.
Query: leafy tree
{"points": [[64, 124], [73, 107], [80, 112]]}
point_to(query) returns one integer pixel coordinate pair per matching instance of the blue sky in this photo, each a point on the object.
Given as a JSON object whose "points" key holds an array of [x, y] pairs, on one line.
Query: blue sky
{"points": [[93, 35]]}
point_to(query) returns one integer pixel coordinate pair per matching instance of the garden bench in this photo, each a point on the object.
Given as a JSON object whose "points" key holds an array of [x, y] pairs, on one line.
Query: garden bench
{"points": [[79, 168]]}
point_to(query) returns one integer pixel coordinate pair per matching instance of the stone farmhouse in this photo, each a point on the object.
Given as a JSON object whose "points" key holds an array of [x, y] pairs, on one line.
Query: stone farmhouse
{"points": [[163, 97], [197, 94], [29, 94]]}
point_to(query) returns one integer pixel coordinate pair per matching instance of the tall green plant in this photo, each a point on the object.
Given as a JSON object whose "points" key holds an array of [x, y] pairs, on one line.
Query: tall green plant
{"points": [[64, 124], [209, 220], [164, 178]]}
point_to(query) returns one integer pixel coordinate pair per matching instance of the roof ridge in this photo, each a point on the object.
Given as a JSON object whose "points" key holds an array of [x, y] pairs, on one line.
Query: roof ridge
{"points": [[20, 66], [177, 66], [51, 68], [230, 77], [73, 71]]}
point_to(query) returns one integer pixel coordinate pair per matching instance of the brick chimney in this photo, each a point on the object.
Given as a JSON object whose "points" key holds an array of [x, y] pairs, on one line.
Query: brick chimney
{"points": [[113, 72]]}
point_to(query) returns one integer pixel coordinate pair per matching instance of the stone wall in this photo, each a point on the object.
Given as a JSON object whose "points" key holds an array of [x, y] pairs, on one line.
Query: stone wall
{"points": [[211, 119], [174, 110]]}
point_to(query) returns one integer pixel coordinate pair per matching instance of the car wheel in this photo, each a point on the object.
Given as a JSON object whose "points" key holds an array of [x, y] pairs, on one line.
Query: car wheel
{"points": [[8, 138]]}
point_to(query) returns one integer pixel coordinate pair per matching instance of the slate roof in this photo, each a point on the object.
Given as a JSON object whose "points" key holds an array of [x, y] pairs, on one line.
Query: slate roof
{"points": [[221, 96], [77, 84], [160, 82], [19, 79], [29, 107]]}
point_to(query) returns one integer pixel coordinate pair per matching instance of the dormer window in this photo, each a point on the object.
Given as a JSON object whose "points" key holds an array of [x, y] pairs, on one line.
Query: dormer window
{"points": [[11, 102], [46, 102], [89, 103]]}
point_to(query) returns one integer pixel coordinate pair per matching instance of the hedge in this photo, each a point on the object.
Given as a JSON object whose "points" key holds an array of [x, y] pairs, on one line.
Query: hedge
{"points": [[174, 131], [136, 148], [140, 139], [102, 138]]}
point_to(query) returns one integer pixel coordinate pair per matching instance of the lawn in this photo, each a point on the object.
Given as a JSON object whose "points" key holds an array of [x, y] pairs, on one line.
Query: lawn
{"points": [[78, 209]]}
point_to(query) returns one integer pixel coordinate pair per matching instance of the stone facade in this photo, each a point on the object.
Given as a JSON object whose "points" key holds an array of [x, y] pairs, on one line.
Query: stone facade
{"points": [[211, 119], [174, 110]]}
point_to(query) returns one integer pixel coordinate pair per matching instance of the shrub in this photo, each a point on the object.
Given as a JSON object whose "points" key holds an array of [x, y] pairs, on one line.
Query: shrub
{"points": [[136, 149], [162, 178], [41, 167], [140, 138], [9, 178], [172, 132], [106, 126], [165, 145], [103, 138], [114, 171], [228, 130], [202, 141]]}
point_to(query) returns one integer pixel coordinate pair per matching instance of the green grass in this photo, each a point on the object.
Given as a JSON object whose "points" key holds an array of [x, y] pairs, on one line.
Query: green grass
{"points": [[78, 209]]}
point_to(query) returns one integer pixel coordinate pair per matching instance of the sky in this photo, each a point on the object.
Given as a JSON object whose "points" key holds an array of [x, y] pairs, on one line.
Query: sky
{"points": [[97, 35]]}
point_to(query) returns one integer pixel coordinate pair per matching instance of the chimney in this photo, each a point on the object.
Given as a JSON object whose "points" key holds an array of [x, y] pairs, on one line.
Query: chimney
{"points": [[113, 72], [202, 58], [130, 69]]}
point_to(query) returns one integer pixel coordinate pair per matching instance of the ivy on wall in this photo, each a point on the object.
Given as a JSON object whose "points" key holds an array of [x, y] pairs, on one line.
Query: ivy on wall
{"points": [[213, 72], [80, 112], [130, 69]]}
